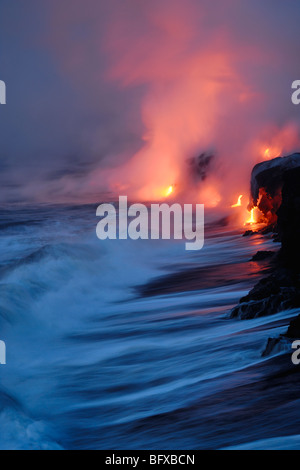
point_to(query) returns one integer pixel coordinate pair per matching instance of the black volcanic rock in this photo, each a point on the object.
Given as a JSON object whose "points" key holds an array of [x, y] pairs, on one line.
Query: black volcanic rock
{"points": [[262, 255], [249, 233], [266, 287], [277, 184], [293, 331], [286, 298], [270, 285], [267, 182], [277, 345], [269, 175], [275, 189], [289, 220], [273, 294]]}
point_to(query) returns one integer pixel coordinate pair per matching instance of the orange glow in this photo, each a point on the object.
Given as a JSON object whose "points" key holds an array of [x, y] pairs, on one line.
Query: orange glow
{"points": [[183, 75], [179, 110], [210, 196], [272, 152], [169, 191], [252, 220], [239, 203]]}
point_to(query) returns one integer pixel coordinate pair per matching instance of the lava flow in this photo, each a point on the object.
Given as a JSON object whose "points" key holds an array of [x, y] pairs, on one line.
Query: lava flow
{"points": [[169, 191], [239, 203], [270, 153], [251, 220]]}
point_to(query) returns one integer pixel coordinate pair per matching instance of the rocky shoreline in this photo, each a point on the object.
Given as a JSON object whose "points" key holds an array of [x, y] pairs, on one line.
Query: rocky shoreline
{"points": [[275, 190]]}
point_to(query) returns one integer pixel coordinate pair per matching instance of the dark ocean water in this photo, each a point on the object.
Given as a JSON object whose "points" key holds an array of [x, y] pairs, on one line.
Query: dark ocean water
{"points": [[128, 345]]}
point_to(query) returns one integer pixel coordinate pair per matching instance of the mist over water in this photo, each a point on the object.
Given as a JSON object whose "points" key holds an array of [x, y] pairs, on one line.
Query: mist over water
{"points": [[96, 359], [120, 94]]}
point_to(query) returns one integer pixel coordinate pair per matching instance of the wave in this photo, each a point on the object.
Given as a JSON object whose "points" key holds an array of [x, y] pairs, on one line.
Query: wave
{"points": [[275, 443], [94, 364]]}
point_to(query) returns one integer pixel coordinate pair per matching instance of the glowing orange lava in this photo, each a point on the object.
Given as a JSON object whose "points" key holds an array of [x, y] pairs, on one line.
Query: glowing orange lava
{"points": [[272, 152], [239, 203], [252, 220], [169, 191]]}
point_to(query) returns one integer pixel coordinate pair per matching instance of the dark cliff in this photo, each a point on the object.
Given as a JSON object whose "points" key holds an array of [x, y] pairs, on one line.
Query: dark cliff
{"points": [[275, 189]]}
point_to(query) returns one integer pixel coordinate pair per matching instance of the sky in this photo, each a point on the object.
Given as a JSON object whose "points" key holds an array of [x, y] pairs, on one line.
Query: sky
{"points": [[110, 97]]}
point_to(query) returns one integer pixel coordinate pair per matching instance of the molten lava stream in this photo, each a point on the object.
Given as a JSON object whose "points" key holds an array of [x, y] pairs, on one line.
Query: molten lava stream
{"points": [[239, 203], [169, 191], [252, 220]]}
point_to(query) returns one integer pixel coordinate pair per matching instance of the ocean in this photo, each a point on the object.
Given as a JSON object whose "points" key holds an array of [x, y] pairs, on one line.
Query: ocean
{"points": [[123, 344]]}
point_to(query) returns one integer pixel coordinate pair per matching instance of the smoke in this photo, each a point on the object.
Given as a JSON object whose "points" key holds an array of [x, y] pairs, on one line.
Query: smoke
{"points": [[217, 78], [141, 88]]}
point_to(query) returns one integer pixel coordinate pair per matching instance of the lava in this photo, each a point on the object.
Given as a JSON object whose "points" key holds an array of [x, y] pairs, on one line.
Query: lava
{"points": [[252, 220], [239, 203], [169, 191], [272, 152]]}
